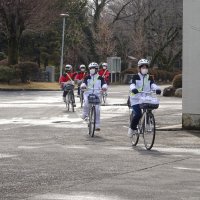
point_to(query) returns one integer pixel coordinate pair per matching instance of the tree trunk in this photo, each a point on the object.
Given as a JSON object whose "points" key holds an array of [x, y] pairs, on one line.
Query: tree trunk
{"points": [[13, 50]]}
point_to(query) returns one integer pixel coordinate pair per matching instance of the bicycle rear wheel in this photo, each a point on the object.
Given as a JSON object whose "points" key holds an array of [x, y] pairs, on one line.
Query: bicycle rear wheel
{"points": [[149, 130], [135, 138], [92, 121], [104, 96], [72, 100]]}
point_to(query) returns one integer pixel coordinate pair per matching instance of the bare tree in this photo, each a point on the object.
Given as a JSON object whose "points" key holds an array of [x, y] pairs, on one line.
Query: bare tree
{"points": [[152, 30], [105, 43]]}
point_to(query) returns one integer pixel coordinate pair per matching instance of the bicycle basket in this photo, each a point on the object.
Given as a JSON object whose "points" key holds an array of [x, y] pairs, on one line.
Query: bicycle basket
{"points": [[149, 106], [68, 87], [93, 99], [149, 102]]}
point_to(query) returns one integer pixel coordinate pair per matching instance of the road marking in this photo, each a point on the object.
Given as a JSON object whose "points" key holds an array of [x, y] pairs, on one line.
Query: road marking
{"points": [[185, 168], [76, 147], [171, 126], [177, 150], [120, 148], [6, 156], [85, 196], [30, 147]]}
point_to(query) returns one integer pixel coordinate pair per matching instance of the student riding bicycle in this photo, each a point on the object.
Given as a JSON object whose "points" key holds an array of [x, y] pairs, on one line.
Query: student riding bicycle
{"points": [[94, 84], [104, 72], [66, 80], [80, 77], [141, 82]]}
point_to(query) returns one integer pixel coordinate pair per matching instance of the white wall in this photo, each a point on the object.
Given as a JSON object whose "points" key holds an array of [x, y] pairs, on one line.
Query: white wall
{"points": [[191, 64]]}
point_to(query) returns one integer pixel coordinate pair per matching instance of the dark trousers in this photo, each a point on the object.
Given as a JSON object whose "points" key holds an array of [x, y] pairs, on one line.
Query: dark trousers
{"points": [[79, 90], [137, 114]]}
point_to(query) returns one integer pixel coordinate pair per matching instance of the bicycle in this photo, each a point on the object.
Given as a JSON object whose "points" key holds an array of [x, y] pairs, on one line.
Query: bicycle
{"points": [[147, 125], [81, 97], [70, 97], [93, 101], [104, 95]]}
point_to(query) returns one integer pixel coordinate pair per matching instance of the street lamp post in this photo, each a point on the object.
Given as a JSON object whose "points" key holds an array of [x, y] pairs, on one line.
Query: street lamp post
{"points": [[63, 39]]}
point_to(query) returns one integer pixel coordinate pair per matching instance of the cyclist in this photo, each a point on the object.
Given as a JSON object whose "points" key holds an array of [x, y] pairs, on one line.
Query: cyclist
{"points": [[94, 84], [80, 77], [140, 82], [104, 72], [65, 79]]}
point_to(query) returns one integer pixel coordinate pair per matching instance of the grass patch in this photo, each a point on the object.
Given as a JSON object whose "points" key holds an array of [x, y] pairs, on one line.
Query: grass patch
{"points": [[31, 85]]}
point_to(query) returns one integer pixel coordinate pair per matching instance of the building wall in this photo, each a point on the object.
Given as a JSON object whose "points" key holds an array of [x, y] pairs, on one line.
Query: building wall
{"points": [[191, 64]]}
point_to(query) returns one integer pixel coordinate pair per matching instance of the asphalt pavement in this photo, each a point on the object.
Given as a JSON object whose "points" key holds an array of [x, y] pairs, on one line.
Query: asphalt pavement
{"points": [[47, 154]]}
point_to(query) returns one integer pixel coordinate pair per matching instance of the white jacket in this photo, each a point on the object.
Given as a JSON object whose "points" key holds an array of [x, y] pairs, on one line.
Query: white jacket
{"points": [[94, 83], [141, 83]]}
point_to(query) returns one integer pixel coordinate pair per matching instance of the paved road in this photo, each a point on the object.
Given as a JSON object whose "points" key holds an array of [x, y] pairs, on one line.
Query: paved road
{"points": [[46, 153]]}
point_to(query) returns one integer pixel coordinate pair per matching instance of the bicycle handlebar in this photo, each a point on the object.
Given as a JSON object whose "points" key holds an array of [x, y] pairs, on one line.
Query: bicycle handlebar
{"points": [[149, 92], [86, 89]]}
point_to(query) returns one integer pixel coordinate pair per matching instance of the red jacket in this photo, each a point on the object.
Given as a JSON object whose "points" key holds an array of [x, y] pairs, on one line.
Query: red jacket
{"points": [[105, 74], [80, 75], [67, 77]]}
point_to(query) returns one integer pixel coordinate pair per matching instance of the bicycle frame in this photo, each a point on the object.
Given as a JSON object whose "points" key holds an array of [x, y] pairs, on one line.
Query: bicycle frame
{"points": [[70, 100], [146, 127], [92, 115]]}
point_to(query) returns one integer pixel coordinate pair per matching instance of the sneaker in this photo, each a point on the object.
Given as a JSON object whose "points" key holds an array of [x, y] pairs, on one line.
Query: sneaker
{"points": [[131, 132], [78, 95], [84, 117], [97, 129], [64, 99]]}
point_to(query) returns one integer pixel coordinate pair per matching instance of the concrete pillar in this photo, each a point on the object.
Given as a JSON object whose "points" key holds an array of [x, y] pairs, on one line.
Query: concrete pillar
{"points": [[191, 64], [51, 72]]}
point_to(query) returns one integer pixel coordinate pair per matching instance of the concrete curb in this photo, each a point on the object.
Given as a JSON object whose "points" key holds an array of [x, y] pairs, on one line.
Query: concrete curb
{"points": [[11, 90], [27, 89], [169, 129]]}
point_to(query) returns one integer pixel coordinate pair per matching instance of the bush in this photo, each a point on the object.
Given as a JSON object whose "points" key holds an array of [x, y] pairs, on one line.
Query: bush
{"points": [[2, 56], [169, 91], [4, 62], [26, 71], [177, 81], [6, 74]]}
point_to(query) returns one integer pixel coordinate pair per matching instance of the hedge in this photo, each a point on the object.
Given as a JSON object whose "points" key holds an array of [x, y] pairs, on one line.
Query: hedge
{"points": [[177, 81], [6, 74], [26, 71], [2, 56]]}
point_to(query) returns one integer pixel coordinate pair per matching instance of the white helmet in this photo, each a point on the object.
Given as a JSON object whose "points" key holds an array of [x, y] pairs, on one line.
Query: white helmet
{"points": [[143, 62], [68, 67], [105, 64], [93, 65], [82, 66]]}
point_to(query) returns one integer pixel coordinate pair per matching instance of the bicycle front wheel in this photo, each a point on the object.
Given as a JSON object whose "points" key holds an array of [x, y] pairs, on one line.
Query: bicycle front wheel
{"points": [[72, 101], [67, 102], [135, 138], [149, 130], [81, 99], [92, 121]]}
